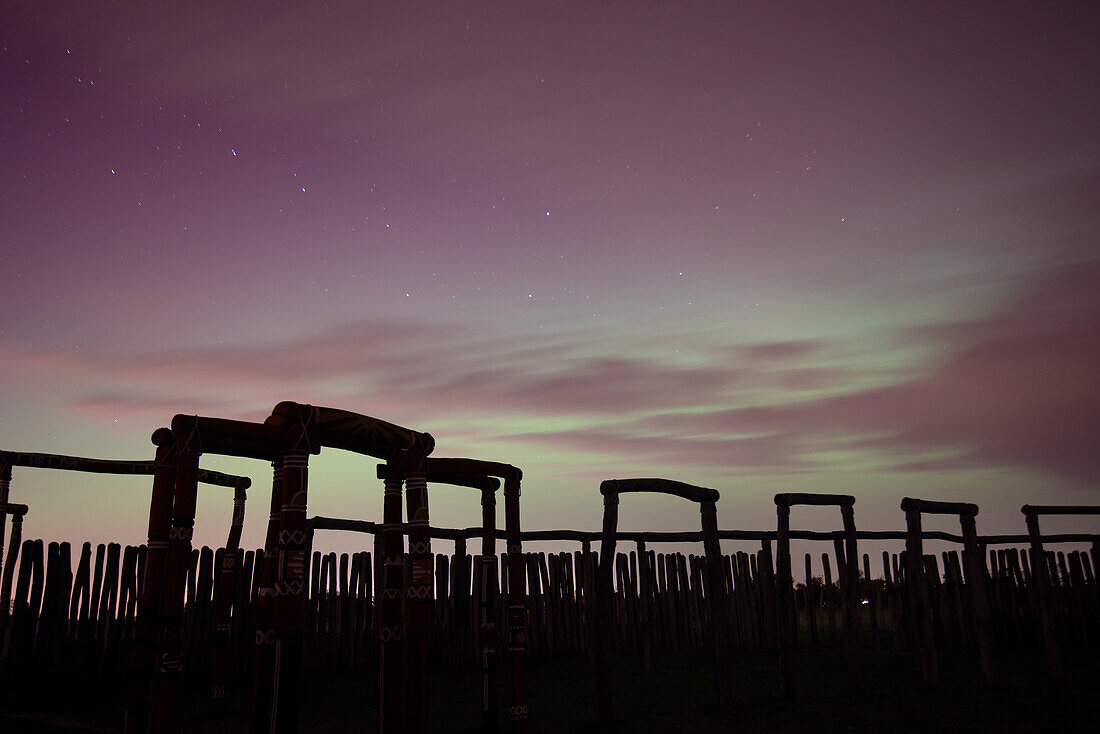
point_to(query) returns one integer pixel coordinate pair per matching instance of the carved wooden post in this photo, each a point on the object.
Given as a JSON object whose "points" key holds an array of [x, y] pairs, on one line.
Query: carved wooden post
{"points": [[517, 613], [487, 614], [391, 700], [918, 591], [227, 578], [290, 593], [164, 699], [147, 625], [418, 606], [263, 666]]}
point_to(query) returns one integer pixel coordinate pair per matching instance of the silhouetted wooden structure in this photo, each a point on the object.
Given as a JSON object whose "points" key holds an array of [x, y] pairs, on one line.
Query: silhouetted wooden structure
{"points": [[715, 584], [847, 559], [1046, 591], [224, 614], [145, 614]]}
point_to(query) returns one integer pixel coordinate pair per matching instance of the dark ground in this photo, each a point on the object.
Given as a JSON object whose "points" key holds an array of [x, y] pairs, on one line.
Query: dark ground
{"points": [[675, 697]]}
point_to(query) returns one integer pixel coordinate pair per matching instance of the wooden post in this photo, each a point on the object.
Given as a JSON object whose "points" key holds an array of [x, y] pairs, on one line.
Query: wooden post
{"points": [[1041, 575], [227, 577], [391, 675], [460, 595], [872, 595], [600, 645], [827, 582], [143, 655], [645, 604], [517, 600], [918, 593], [263, 660], [487, 612], [719, 607], [5, 488], [9, 569], [851, 590], [784, 599], [290, 594], [812, 602], [978, 580], [164, 698], [418, 606]]}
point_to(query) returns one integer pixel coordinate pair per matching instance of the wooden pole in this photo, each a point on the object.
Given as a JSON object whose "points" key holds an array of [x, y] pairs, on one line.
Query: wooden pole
{"points": [[719, 607], [918, 595], [1041, 575], [143, 653], [645, 606], [5, 488], [785, 600], [487, 627], [812, 602], [227, 577], [873, 597], [290, 595], [600, 645], [851, 590], [977, 578], [263, 661], [418, 606], [164, 697], [9, 569], [517, 627], [391, 675]]}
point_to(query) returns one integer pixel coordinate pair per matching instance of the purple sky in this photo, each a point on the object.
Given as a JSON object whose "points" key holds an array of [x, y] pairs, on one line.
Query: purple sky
{"points": [[831, 247]]}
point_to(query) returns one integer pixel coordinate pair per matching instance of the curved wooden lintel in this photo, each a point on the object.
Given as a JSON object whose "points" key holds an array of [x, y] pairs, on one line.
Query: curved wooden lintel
{"points": [[342, 429], [933, 507], [662, 486], [789, 499]]}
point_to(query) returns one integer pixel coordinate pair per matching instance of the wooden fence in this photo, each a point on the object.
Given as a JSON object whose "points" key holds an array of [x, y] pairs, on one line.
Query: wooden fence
{"points": [[73, 613]]}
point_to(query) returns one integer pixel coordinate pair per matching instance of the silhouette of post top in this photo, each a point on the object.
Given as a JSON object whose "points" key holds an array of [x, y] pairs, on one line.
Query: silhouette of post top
{"points": [[341, 429], [789, 499], [601, 633], [977, 580], [1060, 509], [932, 507], [847, 568], [662, 486]]}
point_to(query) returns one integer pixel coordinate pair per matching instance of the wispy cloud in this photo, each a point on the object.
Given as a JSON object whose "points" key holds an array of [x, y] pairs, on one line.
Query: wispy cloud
{"points": [[1016, 388]]}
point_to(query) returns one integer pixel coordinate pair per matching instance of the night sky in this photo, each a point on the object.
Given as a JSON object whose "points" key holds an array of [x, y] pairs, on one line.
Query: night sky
{"points": [[763, 247]]}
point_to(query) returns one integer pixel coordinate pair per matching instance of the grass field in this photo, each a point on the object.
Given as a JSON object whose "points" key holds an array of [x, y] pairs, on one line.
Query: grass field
{"points": [[675, 697]]}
